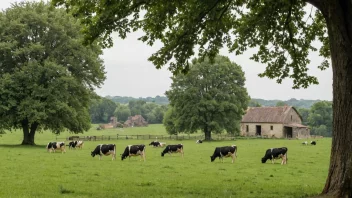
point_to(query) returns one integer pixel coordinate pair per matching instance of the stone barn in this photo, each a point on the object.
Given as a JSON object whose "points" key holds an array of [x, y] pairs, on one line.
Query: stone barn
{"points": [[279, 122], [135, 121]]}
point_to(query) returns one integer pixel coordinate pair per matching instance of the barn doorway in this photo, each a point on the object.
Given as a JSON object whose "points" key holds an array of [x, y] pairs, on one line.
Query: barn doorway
{"points": [[288, 132], [258, 130]]}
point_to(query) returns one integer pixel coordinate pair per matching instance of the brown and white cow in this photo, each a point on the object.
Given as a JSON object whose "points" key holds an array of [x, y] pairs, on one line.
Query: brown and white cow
{"points": [[53, 146]]}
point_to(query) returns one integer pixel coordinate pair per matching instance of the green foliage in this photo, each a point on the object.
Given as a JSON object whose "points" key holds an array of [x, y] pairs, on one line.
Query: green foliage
{"points": [[170, 121], [253, 103], [161, 100], [321, 114], [280, 104], [281, 31], [291, 102], [304, 114], [102, 110], [47, 75], [211, 97], [122, 113]]}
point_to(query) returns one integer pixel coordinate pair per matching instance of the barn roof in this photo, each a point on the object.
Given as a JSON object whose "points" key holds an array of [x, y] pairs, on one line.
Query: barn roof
{"points": [[267, 114]]}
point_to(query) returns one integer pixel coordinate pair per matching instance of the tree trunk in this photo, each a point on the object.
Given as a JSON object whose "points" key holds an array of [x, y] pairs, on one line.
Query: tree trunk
{"points": [[338, 15], [28, 132], [207, 133]]}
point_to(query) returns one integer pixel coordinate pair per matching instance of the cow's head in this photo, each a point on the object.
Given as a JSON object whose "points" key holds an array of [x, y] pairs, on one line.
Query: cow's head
{"points": [[123, 156], [152, 143], [162, 154], [92, 154], [212, 158], [62, 144], [264, 160]]}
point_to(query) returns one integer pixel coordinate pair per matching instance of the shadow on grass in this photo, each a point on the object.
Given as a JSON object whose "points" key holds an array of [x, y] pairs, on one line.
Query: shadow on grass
{"points": [[21, 146]]}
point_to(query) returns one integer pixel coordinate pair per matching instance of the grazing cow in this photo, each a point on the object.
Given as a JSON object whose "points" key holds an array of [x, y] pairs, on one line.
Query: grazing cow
{"points": [[276, 153], [225, 151], [157, 144], [305, 143], [199, 141], [134, 150], [178, 148], [313, 143], [74, 144], [154, 144], [105, 149], [53, 146]]}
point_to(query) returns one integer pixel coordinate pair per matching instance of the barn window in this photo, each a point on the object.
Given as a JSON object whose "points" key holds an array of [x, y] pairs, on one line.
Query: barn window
{"points": [[247, 128], [271, 127], [291, 117]]}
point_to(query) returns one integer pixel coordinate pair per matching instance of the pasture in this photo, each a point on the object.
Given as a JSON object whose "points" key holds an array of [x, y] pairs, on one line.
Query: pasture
{"points": [[33, 172]]}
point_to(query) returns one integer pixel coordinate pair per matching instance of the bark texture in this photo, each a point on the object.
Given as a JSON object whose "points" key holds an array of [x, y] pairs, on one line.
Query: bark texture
{"points": [[338, 15]]}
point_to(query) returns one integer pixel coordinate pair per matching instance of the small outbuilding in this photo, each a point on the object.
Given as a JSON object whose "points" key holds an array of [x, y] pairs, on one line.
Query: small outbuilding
{"points": [[274, 122]]}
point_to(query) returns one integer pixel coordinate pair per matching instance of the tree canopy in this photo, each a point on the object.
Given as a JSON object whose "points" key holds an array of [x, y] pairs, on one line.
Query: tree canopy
{"points": [[211, 98], [282, 31], [47, 76]]}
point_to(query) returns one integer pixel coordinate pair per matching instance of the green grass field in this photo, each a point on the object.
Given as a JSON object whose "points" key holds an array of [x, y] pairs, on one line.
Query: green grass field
{"points": [[33, 172]]}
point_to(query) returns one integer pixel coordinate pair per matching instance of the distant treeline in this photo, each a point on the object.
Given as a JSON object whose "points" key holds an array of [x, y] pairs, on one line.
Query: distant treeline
{"points": [[162, 100], [317, 114], [291, 102]]}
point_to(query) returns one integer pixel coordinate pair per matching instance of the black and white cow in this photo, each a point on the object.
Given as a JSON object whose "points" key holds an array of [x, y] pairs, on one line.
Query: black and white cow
{"points": [[305, 143], [134, 150], [225, 151], [199, 141], [177, 148], [53, 146], [105, 149], [276, 153], [313, 143], [75, 144], [154, 144]]}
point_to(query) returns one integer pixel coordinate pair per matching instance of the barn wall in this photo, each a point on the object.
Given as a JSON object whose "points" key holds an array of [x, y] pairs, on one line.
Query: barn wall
{"points": [[266, 130], [295, 117], [300, 132]]}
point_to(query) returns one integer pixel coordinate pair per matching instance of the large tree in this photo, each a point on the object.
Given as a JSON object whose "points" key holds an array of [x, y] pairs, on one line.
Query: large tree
{"points": [[211, 97], [282, 31], [46, 74]]}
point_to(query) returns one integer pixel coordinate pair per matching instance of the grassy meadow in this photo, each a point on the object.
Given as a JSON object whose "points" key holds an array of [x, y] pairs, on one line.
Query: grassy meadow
{"points": [[33, 172]]}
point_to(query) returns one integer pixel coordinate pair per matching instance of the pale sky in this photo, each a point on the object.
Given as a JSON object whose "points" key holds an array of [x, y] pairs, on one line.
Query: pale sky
{"points": [[129, 73]]}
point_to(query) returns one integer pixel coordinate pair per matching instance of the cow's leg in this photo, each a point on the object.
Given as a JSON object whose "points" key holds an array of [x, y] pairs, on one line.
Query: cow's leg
{"points": [[233, 157], [99, 157]]}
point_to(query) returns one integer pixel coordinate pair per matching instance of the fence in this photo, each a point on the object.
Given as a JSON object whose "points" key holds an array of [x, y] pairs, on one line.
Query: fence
{"points": [[149, 137]]}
